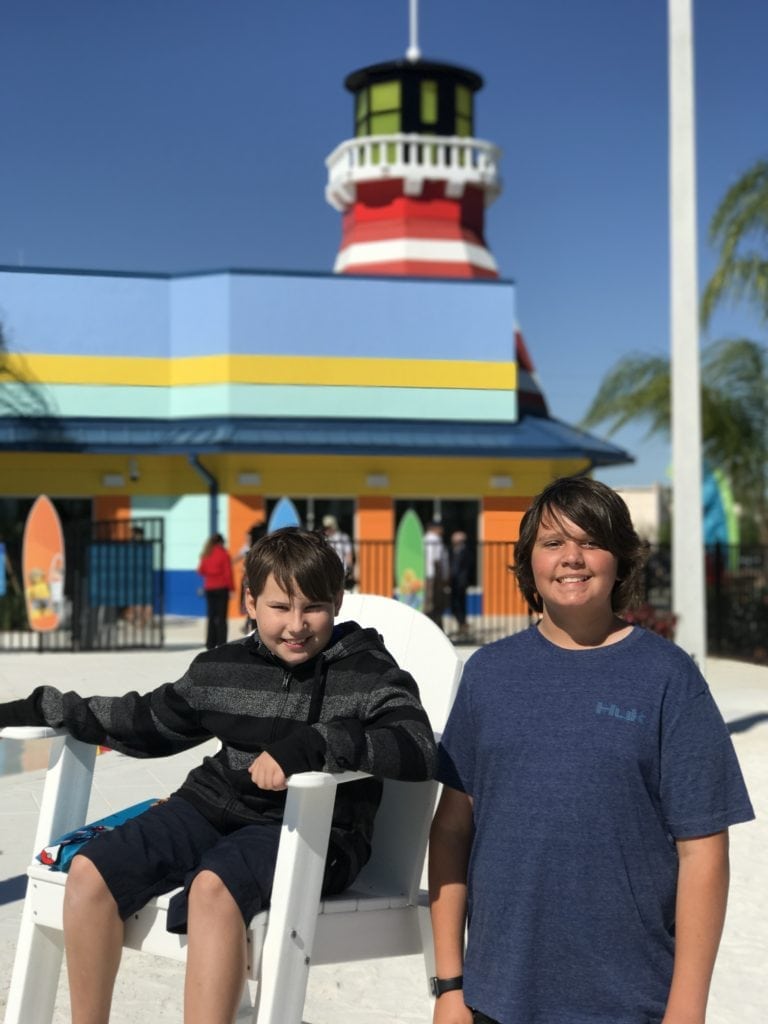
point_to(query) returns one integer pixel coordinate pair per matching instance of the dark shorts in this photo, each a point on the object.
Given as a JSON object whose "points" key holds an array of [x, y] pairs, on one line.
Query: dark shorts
{"points": [[480, 1018], [168, 845]]}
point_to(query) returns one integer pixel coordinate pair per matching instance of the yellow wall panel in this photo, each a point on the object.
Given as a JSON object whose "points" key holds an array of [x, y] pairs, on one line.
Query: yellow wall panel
{"points": [[225, 369], [66, 474]]}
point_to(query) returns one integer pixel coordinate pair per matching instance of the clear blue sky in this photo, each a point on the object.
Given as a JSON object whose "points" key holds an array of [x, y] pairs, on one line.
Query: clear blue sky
{"points": [[180, 135]]}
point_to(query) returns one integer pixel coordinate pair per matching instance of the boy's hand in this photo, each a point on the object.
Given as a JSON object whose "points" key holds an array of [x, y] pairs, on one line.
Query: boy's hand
{"points": [[451, 1009], [267, 773]]}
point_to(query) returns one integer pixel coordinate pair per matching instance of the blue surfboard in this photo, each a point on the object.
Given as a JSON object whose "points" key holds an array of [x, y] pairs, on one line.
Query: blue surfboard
{"points": [[283, 514]]}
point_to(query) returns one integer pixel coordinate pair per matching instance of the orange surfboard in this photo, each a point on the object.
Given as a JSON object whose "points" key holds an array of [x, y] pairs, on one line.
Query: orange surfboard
{"points": [[42, 561]]}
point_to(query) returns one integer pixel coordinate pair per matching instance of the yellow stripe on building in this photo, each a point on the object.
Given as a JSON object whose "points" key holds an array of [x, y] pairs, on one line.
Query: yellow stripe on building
{"points": [[239, 369]]}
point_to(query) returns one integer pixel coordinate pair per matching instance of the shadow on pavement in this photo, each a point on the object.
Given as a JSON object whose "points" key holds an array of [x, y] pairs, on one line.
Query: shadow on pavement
{"points": [[12, 889], [748, 722]]}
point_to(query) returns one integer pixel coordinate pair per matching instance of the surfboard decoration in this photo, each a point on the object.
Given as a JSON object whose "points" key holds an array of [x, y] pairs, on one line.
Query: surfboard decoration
{"points": [[409, 560], [42, 562], [283, 514]]}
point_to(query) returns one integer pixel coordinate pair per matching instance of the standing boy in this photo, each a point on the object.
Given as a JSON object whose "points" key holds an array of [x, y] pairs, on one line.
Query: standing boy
{"points": [[589, 785], [299, 694]]}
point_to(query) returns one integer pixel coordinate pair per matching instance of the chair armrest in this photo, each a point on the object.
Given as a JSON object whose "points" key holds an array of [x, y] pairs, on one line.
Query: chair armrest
{"points": [[30, 732], [321, 780], [67, 787], [299, 871]]}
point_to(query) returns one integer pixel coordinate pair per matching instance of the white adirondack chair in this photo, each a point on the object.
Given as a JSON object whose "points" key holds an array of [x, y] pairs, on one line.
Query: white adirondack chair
{"points": [[382, 915]]}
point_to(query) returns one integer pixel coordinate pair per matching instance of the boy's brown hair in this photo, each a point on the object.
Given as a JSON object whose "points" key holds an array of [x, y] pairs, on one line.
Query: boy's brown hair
{"points": [[604, 516], [298, 559]]}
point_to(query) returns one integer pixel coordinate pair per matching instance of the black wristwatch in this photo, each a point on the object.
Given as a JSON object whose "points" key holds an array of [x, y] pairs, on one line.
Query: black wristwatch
{"points": [[440, 986]]}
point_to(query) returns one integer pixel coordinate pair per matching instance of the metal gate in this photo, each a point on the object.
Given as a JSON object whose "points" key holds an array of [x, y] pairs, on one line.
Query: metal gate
{"points": [[113, 591]]}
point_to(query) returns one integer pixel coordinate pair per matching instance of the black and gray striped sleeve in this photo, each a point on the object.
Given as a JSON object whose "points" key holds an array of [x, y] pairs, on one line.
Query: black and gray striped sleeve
{"points": [[142, 725]]}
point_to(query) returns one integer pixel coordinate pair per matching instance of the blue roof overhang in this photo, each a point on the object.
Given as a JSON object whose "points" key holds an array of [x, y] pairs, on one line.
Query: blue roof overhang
{"points": [[531, 437]]}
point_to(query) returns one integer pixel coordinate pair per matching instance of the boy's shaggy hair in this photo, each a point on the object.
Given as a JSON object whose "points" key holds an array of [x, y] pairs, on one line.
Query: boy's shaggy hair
{"points": [[298, 559], [601, 514]]}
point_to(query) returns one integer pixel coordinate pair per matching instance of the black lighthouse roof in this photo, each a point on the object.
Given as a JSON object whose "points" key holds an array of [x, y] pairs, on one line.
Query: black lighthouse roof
{"points": [[418, 69]]}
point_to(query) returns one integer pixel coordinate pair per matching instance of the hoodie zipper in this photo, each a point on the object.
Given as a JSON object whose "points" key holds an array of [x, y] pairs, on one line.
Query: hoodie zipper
{"points": [[285, 686]]}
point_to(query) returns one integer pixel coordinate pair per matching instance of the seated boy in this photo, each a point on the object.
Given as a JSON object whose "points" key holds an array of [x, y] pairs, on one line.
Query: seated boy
{"points": [[298, 694]]}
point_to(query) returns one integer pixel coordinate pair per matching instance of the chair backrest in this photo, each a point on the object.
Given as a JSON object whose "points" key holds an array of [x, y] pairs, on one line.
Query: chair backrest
{"points": [[421, 648], [416, 643]]}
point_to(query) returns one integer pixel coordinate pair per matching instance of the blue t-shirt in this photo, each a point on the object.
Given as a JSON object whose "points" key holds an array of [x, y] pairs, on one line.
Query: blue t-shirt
{"points": [[584, 767]]}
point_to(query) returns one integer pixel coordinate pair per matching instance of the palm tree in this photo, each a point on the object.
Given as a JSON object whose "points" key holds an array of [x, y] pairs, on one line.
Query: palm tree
{"points": [[734, 411], [740, 228], [734, 372]]}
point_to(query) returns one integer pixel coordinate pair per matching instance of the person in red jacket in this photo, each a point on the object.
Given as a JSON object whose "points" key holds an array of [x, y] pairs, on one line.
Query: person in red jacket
{"points": [[216, 569]]}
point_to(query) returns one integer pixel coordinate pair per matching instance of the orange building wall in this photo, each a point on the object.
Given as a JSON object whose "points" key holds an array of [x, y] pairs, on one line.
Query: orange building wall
{"points": [[500, 528], [375, 521], [245, 511], [111, 507]]}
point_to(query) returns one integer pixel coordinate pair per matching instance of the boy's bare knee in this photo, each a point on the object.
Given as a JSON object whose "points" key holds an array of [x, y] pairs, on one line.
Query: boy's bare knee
{"points": [[209, 893], [85, 883]]}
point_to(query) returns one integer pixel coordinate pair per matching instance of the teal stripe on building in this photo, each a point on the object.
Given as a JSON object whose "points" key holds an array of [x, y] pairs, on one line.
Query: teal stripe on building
{"points": [[247, 400]]}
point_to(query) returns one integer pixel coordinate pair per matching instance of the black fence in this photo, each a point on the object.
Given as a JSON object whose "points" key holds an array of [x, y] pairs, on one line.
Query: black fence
{"points": [[115, 571], [737, 602], [736, 596], [113, 590]]}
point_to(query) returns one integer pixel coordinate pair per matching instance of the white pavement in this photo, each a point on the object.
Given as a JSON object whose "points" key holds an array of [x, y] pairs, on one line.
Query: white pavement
{"points": [[372, 992]]}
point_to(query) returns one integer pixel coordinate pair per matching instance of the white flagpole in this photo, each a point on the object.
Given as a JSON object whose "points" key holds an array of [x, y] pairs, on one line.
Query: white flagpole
{"points": [[413, 53], [688, 593]]}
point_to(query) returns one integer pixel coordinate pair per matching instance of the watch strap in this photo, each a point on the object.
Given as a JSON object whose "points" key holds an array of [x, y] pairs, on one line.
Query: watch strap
{"points": [[440, 986]]}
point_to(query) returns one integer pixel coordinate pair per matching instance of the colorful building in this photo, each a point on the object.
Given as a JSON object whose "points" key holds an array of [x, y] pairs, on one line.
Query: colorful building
{"points": [[400, 380]]}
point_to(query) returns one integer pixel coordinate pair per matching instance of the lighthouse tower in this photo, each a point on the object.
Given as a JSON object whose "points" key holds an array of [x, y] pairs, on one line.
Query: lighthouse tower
{"points": [[413, 182]]}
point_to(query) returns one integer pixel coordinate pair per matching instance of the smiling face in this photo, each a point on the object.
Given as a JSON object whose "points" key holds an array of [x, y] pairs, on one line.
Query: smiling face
{"points": [[294, 628], [572, 573]]}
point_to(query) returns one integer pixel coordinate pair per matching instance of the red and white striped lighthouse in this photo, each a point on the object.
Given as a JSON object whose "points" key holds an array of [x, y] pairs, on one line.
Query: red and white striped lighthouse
{"points": [[413, 183]]}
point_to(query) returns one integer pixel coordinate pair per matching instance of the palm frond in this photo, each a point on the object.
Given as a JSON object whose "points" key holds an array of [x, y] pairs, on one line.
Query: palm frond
{"points": [[743, 208], [740, 279], [734, 409], [741, 218], [637, 388]]}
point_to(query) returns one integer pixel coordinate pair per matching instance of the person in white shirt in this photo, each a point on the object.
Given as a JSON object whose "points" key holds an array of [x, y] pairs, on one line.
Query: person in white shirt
{"points": [[342, 545], [436, 572]]}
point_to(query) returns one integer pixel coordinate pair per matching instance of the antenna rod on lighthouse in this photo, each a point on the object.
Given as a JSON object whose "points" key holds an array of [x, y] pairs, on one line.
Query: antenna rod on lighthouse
{"points": [[413, 53]]}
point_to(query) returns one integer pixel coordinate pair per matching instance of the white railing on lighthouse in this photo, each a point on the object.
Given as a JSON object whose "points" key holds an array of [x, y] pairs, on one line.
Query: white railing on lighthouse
{"points": [[456, 160]]}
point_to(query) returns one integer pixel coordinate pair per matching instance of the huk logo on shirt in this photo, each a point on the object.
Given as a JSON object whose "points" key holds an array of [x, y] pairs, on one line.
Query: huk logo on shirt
{"points": [[614, 711]]}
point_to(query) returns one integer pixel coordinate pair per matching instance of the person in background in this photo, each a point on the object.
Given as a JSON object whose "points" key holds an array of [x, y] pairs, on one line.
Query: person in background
{"points": [[461, 570], [589, 782], [342, 545], [216, 569], [436, 572]]}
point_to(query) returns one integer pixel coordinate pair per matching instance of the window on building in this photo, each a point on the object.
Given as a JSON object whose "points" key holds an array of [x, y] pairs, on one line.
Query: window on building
{"points": [[463, 99], [454, 515], [311, 511], [361, 113], [378, 109], [429, 102]]}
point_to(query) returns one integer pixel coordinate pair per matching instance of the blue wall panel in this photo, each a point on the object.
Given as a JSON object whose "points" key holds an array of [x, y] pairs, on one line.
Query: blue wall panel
{"points": [[253, 313], [181, 593], [85, 314]]}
